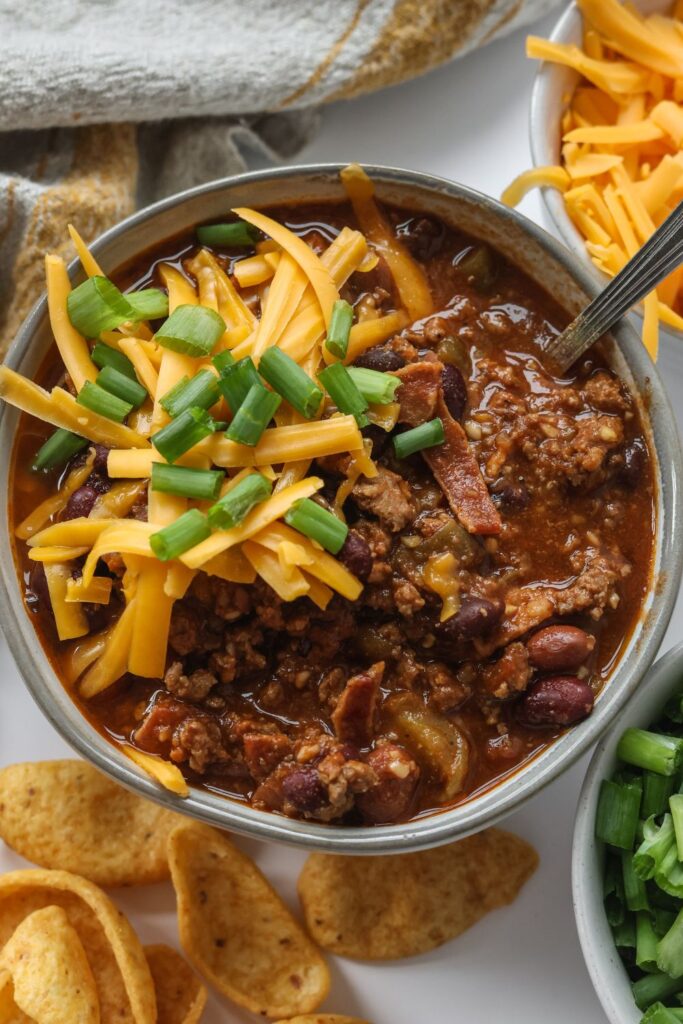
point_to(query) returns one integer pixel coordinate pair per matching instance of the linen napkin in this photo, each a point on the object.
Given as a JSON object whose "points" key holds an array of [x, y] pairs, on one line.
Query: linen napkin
{"points": [[106, 105]]}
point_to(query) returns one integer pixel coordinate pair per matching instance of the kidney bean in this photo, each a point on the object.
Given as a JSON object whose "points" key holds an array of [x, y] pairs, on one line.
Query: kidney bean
{"points": [[380, 358], [101, 455], [303, 788], [80, 503], [356, 556], [631, 472], [559, 648], [476, 616], [556, 701], [454, 390], [37, 585], [513, 494], [380, 438]]}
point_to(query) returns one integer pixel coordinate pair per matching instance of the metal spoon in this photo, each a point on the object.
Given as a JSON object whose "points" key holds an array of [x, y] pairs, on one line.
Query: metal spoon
{"points": [[661, 254]]}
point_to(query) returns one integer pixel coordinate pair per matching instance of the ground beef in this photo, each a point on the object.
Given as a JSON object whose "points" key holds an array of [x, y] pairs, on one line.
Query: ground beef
{"points": [[391, 796], [194, 687], [199, 743], [508, 676], [388, 497]]}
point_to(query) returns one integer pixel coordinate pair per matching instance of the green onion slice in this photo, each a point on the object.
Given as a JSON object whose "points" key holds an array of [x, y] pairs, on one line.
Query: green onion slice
{"points": [[342, 389], [223, 359], [617, 816], [201, 392], [651, 750], [236, 234], [183, 433], [104, 355], [97, 305], [653, 987], [234, 506], [657, 840], [656, 792], [192, 330], [287, 378], [189, 529], [202, 484], [122, 386], [647, 941], [236, 380], [635, 893], [316, 522], [377, 388], [337, 341], [253, 415], [149, 303], [427, 435], [58, 449], [93, 397]]}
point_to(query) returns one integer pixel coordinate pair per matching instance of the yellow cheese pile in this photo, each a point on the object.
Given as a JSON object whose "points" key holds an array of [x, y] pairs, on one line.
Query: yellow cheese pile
{"points": [[622, 136]]}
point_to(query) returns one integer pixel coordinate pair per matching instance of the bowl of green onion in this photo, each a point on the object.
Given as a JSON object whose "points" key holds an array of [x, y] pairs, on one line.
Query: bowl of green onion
{"points": [[627, 871]]}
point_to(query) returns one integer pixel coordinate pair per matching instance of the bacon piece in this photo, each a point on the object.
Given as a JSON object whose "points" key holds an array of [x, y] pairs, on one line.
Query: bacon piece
{"points": [[419, 391], [353, 717], [458, 474], [452, 463]]}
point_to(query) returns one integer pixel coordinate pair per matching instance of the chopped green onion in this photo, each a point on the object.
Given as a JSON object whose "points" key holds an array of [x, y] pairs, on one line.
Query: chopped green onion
{"points": [[104, 355], [337, 341], [192, 330], [97, 305], [652, 988], [670, 951], [377, 388], [624, 934], [656, 792], [634, 886], [427, 435], [58, 449], [236, 234], [234, 506], [183, 433], [122, 386], [617, 817], [236, 380], [646, 942], [657, 841], [223, 359], [201, 392], [253, 415], [316, 522], [662, 920], [341, 388], [660, 1014], [149, 303], [190, 528], [188, 483], [93, 397], [650, 750], [676, 808], [287, 378], [669, 872]]}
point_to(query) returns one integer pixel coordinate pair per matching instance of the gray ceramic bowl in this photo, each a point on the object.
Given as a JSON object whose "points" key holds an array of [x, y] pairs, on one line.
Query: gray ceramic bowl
{"points": [[602, 960], [546, 262], [553, 86]]}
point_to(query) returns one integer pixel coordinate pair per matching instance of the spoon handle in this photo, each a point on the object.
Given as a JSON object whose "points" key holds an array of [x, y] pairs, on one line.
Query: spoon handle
{"points": [[662, 253]]}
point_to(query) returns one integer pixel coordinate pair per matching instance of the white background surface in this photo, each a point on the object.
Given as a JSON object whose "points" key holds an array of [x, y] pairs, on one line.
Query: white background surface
{"points": [[523, 964]]}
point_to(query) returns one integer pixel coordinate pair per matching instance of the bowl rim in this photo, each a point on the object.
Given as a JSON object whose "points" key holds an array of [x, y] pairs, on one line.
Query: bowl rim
{"points": [[501, 799], [542, 141], [603, 963]]}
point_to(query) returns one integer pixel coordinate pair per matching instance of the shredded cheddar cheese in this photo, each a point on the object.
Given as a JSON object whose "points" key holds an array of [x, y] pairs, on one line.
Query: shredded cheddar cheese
{"points": [[621, 171]]}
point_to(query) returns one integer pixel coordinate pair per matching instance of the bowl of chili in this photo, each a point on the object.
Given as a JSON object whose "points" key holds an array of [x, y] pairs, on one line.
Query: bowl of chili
{"points": [[440, 700]]}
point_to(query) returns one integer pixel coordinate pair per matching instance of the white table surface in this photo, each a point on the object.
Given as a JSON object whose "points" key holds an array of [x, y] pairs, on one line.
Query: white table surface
{"points": [[522, 964]]}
